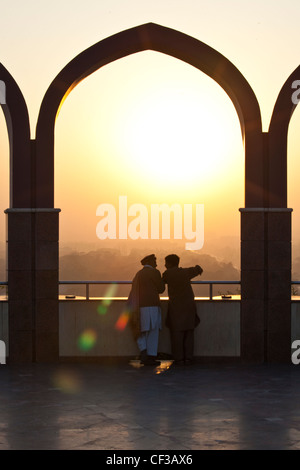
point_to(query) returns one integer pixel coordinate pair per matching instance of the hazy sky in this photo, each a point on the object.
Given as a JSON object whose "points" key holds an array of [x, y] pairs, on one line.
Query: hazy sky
{"points": [[148, 126]]}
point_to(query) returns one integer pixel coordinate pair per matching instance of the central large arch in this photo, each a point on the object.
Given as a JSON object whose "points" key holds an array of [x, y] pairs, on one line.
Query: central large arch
{"points": [[253, 223], [168, 41]]}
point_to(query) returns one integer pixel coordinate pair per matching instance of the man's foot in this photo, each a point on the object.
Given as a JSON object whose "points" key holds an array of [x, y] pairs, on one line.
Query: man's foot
{"points": [[150, 361], [143, 355], [179, 363]]}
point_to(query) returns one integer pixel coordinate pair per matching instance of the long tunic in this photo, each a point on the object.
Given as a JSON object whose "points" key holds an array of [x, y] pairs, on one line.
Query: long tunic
{"points": [[182, 311], [147, 284]]}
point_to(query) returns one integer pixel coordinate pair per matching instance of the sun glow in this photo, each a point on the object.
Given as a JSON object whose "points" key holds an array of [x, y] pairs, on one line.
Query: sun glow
{"points": [[163, 121], [154, 129], [175, 136]]}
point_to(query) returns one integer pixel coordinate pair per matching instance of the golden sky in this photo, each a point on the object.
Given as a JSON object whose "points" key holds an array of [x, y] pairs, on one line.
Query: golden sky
{"points": [[148, 126]]}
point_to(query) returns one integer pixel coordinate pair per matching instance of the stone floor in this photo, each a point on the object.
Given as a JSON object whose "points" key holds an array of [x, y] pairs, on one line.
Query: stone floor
{"points": [[123, 406]]}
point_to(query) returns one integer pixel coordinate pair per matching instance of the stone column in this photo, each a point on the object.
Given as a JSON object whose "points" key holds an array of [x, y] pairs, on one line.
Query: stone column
{"points": [[253, 285], [33, 285], [20, 276], [278, 229], [46, 285], [266, 284]]}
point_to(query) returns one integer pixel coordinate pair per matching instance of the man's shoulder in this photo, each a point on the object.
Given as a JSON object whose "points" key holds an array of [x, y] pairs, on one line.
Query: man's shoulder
{"points": [[148, 271], [172, 272]]}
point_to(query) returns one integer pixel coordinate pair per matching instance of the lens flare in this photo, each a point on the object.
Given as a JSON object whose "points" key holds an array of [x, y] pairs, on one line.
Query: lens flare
{"points": [[87, 340], [111, 290], [101, 309], [67, 382], [105, 303], [122, 321]]}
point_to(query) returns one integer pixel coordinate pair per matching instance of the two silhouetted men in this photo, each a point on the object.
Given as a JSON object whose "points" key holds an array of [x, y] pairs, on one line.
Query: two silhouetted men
{"points": [[145, 308]]}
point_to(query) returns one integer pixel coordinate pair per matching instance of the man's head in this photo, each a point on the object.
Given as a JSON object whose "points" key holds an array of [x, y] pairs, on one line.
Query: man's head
{"points": [[171, 261], [150, 260]]}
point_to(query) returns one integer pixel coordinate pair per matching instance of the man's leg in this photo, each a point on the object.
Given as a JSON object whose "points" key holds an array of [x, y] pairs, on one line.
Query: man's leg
{"points": [[177, 345], [188, 343], [152, 341], [148, 344], [142, 345], [151, 321]]}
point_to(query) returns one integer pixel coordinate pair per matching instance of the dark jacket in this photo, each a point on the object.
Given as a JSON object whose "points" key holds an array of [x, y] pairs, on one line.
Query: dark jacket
{"points": [[150, 286], [146, 286], [182, 311]]}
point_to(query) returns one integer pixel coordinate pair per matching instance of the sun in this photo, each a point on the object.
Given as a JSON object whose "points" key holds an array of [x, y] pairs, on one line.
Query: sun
{"points": [[155, 130], [175, 135], [152, 128]]}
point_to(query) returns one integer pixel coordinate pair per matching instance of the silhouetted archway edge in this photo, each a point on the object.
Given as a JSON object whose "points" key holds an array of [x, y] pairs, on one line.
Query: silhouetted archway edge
{"points": [[171, 42], [18, 127], [278, 139]]}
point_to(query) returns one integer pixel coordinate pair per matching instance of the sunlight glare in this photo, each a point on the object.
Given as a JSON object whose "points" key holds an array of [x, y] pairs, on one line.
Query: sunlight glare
{"points": [[172, 137], [154, 129]]}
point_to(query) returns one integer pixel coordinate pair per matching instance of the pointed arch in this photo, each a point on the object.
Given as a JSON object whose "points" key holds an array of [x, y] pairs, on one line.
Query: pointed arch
{"points": [[278, 138], [168, 41], [18, 127]]}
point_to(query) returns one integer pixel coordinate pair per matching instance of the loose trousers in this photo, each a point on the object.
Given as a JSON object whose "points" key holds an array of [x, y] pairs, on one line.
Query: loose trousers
{"points": [[182, 342], [150, 326]]}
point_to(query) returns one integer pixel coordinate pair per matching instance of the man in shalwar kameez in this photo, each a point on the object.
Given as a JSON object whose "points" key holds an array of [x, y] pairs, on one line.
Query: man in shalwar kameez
{"points": [[145, 309]]}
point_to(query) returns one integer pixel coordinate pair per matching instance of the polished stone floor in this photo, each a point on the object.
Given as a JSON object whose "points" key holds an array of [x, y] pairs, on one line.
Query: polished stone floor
{"points": [[123, 406]]}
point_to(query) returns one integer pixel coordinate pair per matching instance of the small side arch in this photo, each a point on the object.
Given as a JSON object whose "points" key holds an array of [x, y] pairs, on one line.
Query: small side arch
{"points": [[17, 121], [278, 138]]}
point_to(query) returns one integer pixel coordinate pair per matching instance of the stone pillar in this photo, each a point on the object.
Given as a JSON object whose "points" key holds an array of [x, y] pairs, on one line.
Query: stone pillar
{"points": [[266, 284], [253, 285], [33, 285], [278, 229], [46, 285], [20, 276]]}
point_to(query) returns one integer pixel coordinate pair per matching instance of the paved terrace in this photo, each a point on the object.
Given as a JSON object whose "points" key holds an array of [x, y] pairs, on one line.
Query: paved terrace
{"points": [[125, 406]]}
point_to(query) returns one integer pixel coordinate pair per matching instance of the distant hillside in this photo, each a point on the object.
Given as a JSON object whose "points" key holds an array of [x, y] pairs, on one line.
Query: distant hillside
{"points": [[111, 265], [83, 262]]}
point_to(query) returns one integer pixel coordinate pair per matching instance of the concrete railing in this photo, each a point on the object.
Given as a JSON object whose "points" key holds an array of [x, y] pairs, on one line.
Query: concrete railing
{"points": [[97, 328], [95, 325]]}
